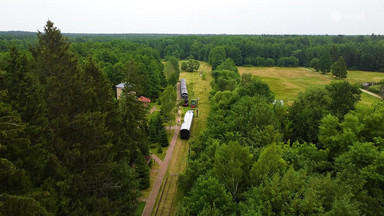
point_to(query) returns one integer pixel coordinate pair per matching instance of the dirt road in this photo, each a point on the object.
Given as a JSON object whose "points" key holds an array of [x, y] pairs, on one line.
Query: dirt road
{"points": [[370, 93]]}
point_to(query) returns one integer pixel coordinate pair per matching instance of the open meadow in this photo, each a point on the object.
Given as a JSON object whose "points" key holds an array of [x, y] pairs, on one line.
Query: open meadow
{"points": [[286, 82]]}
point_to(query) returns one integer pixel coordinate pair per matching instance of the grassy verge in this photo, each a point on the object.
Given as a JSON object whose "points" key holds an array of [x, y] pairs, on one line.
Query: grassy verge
{"points": [[140, 209], [367, 99]]}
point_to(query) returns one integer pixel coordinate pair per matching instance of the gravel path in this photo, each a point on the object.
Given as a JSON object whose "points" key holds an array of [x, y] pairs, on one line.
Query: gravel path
{"points": [[159, 180], [153, 109], [157, 159]]}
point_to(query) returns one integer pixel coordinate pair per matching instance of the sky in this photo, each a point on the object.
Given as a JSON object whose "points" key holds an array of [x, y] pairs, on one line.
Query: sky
{"points": [[332, 17]]}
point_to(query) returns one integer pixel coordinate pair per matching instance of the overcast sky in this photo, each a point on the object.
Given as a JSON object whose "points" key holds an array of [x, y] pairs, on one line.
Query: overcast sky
{"points": [[196, 16]]}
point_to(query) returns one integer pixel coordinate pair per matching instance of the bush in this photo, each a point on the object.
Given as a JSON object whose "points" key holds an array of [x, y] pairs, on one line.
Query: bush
{"points": [[159, 150]]}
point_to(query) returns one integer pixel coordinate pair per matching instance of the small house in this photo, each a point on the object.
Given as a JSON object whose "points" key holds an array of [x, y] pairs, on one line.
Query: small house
{"points": [[145, 100], [120, 87]]}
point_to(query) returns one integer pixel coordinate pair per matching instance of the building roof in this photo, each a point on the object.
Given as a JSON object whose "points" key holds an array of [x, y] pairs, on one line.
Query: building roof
{"points": [[144, 99], [122, 85]]}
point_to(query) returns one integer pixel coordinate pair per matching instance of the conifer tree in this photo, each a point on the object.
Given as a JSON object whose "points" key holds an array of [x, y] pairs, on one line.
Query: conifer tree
{"points": [[163, 137], [135, 126], [142, 171], [161, 133], [152, 130], [87, 157], [14, 153]]}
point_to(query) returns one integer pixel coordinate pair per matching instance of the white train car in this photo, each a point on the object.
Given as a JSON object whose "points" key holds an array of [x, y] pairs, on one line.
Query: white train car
{"points": [[185, 129]]}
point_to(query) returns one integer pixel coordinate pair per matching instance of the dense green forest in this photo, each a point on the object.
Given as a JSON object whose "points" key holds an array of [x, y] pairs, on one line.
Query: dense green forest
{"points": [[359, 52], [321, 156], [68, 147]]}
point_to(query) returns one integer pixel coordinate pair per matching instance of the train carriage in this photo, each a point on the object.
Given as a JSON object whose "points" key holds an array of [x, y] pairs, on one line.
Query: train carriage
{"points": [[185, 129], [184, 92]]}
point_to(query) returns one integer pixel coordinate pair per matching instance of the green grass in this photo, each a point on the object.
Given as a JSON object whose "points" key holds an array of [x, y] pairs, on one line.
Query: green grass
{"points": [[163, 153], [367, 99], [364, 76], [286, 83], [140, 208]]}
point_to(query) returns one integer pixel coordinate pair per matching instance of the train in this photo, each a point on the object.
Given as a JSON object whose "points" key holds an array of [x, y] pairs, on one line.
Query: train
{"points": [[184, 92], [185, 129]]}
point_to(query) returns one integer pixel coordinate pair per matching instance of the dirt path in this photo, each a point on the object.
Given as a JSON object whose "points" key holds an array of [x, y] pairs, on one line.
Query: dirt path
{"points": [[178, 91], [159, 180], [157, 159], [153, 109], [370, 93]]}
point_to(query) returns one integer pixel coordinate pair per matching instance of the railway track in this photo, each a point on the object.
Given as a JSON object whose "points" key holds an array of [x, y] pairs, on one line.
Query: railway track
{"points": [[167, 195]]}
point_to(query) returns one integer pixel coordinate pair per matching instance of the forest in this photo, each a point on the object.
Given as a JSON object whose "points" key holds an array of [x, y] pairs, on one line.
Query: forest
{"points": [[321, 156], [362, 52], [68, 147]]}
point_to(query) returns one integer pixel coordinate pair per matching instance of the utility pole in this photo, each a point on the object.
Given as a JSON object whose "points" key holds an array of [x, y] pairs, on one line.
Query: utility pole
{"points": [[197, 108]]}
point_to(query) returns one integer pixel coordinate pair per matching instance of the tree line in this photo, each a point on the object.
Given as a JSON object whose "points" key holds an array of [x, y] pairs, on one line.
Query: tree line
{"points": [[360, 52]]}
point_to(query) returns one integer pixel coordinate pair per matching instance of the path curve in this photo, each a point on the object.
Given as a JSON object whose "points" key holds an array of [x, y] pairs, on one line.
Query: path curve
{"points": [[157, 159], [153, 109], [371, 93], [156, 187]]}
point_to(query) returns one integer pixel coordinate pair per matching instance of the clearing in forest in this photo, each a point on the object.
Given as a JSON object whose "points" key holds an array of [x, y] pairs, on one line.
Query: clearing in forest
{"points": [[198, 86], [286, 83]]}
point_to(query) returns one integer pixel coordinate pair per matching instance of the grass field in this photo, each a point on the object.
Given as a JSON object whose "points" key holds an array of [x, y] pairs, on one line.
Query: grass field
{"points": [[364, 76], [286, 83], [167, 203]]}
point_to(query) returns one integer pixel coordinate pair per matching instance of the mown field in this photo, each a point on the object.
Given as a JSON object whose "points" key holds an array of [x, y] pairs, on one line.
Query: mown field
{"points": [[286, 83]]}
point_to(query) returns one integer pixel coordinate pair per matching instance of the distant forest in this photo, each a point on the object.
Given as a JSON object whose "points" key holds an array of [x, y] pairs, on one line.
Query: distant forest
{"points": [[362, 52]]}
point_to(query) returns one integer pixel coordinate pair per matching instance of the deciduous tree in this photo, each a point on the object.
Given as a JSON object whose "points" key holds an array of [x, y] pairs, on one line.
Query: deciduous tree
{"points": [[339, 68]]}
